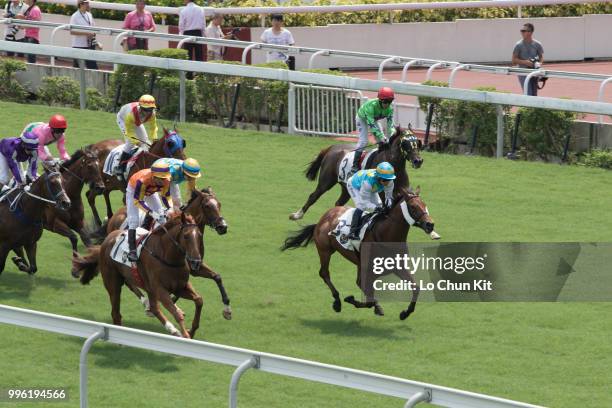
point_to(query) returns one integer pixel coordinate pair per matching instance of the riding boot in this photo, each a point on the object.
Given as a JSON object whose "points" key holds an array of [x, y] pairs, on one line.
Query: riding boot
{"points": [[356, 158], [120, 170], [132, 255], [147, 223], [355, 224]]}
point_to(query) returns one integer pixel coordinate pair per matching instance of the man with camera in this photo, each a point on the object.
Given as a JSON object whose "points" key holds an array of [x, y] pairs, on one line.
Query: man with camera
{"points": [[13, 8], [528, 53], [213, 30], [86, 41]]}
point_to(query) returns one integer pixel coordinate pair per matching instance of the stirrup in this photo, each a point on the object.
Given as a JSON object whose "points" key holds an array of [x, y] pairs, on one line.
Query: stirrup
{"points": [[132, 256]]}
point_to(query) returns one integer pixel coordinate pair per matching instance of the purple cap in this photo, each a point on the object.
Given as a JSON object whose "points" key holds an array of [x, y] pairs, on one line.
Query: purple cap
{"points": [[29, 140]]}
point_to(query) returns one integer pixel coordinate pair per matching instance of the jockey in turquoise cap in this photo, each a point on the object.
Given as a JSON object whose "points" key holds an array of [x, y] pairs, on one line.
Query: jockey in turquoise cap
{"points": [[181, 170], [365, 187]]}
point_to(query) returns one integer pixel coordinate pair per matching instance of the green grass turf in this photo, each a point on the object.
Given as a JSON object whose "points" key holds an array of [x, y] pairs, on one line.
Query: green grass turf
{"points": [[553, 354]]}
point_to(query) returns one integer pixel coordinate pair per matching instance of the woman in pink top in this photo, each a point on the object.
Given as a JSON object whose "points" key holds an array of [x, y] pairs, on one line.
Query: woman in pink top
{"points": [[47, 133], [139, 20], [31, 34]]}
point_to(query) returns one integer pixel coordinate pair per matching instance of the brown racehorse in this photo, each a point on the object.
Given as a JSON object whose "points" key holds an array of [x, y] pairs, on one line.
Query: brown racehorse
{"points": [[402, 147], [168, 255], [205, 209], [390, 228], [22, 215], [83, 167], [171, 145]]}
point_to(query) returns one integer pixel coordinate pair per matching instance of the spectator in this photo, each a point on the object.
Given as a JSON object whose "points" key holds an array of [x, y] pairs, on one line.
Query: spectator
{"points": [[85, 41], [279, 36], [32, 13], [216, 52], [192, 22], [528, 53], [11, 10], [139, 20]]}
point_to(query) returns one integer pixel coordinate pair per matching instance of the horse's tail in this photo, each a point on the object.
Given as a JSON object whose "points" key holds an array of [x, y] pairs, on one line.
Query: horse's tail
{"points": [[315, 165], [87, 265], [300, 238]]}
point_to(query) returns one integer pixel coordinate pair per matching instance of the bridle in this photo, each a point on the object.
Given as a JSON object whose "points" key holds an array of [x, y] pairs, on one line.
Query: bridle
{"points": [[176, 245], [212, 223], [13, 204], [413, 143], [417, 219]]}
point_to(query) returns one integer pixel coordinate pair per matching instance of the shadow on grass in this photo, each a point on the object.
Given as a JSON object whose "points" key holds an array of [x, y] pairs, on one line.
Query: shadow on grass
{"points": [[351, 328], [19, 285]]}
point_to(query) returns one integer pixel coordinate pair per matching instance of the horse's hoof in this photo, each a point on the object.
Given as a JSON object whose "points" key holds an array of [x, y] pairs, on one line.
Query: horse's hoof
{"points": [[296, 216], [378, 310], [32, 271], [337, 306], [20, 264], [227, 313], [148, 313], [434, 235], [404, 315], [350, 299]]}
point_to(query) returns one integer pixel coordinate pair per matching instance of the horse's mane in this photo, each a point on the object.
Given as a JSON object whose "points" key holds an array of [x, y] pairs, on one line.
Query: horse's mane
{"points": [[404, 192], [398, 133], [194, 195], [73, 159], [176, 219]]}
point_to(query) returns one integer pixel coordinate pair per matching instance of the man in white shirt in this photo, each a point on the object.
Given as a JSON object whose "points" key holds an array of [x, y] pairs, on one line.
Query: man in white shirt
{"points": [[279, 36], [85, 41], [13, 8], [192, 22], [215, 52]]}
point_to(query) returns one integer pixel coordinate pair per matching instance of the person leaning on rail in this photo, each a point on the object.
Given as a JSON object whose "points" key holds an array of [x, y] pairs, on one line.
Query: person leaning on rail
{"points": [[12, 9], [139, 20], [192, 22], [528, 53], [84, 41], [278, 35], [32, 34]]}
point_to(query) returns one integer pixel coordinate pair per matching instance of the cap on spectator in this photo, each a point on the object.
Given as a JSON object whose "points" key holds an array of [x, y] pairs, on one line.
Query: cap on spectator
{"points": [[82, 2], [278, 17]]}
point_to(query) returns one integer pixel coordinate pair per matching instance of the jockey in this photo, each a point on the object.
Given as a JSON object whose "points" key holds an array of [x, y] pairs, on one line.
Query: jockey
{"points": [[47, 133], [364, 187], [141, 194], [16, 150], [136, 120], [367, 119], [180, 171]]}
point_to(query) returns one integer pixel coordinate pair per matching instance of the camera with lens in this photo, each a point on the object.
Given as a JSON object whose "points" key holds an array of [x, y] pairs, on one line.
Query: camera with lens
{"points": [[11, 33], [236, 30], [94, 43], [10, 14], [536, 62]]}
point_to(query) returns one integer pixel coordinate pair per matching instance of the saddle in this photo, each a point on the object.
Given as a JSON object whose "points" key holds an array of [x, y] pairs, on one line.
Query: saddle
{"points": [[112, 160], [342, 230]]}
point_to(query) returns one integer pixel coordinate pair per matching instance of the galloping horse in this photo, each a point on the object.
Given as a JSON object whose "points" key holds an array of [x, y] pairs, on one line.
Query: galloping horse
{"points": [[83, 167], [205, 209], [22, 213], [408, 209], [171, 145], [168, 255], [402, 146]]}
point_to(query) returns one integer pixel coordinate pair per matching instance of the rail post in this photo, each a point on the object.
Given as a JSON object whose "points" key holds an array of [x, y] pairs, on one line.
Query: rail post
{"points": [[500, 132], [253, 362], [423, 396], [83, 90], [182, 92], [52, 39], [100, 334]]}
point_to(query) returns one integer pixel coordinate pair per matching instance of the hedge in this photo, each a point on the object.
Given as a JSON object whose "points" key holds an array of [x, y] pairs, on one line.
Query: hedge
{"points": [[321, 19]]}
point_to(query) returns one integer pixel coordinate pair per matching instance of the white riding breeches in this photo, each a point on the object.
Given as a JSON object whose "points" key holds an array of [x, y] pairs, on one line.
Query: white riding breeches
{"points": [[362, 128], [361, 203], [141, 135], [6, 175], [153, 201]]}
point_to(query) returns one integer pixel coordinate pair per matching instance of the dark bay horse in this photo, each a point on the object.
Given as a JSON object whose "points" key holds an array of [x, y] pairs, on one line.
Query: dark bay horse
{"points": [[82, 168], [205, 209], [22, 213], [391, 228], [169, 254], [402, 147], [171, 145]]}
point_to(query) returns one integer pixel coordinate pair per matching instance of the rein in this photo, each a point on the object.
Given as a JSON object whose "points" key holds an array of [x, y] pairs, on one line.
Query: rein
{"points": [[175, 243], [82, 180]]}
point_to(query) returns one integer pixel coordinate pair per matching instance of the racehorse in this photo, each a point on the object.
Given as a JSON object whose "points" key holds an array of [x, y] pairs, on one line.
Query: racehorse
{"points": [[393, 227], [167, 257], [171, 145], [22, 213], [205, 209], [402, 147], [83, 167]]}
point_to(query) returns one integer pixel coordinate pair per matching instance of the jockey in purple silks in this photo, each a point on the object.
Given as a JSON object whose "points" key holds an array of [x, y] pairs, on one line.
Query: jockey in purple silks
{"points": [[13, 152]]}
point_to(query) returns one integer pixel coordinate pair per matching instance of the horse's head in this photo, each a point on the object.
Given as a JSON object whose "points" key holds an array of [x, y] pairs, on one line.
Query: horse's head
{"points": [[414, 210], [172, 145], [53, 188], [206, 209], [187, 238], [85, 164], [409, 146]]}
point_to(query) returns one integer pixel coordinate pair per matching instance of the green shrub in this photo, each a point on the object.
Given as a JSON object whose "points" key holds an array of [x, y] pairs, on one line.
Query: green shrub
{"points": [[10, 88], [60, 90], [215, 93], [597, 158], [543, 132], [97, 101], [169, 105]]}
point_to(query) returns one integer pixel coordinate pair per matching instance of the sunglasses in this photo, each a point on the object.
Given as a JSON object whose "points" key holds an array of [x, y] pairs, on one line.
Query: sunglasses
{"points": [[525, 31], [382, 180], [386, 101]]}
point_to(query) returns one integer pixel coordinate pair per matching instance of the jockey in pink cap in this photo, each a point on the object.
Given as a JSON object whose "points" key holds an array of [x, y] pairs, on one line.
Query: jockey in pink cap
{"points": [[47, 133]]}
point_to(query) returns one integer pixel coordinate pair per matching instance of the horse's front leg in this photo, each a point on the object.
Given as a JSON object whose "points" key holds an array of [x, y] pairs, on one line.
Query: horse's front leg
{"points": [[206, 272], [91, 199], [109, 209], [20, 261], [188, 292], [4, 251], [404, 275], [31, 253]]}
